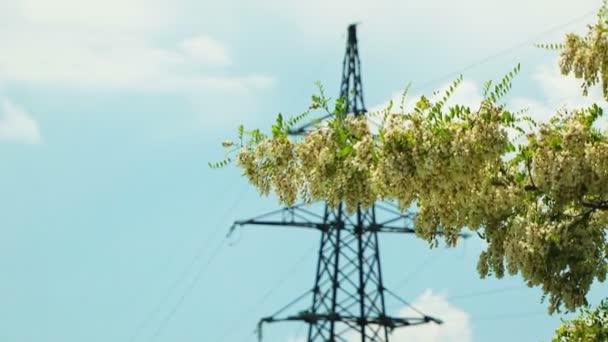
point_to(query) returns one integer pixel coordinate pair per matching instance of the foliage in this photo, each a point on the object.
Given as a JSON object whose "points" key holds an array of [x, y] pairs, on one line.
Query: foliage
{"points": [[585, 56], [590, 326], [541, 203]]}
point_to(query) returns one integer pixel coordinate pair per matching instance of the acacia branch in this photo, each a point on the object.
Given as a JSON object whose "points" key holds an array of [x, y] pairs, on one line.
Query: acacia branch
{"points": [[529, 167], [600, 205]]}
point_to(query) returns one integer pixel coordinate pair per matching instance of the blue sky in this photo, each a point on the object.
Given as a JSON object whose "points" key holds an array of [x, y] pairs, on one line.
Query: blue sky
{"points": [[110, 111]]}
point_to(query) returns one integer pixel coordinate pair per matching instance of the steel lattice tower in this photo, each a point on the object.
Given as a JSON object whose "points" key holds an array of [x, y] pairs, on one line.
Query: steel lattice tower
{"points": [[348, 297]]}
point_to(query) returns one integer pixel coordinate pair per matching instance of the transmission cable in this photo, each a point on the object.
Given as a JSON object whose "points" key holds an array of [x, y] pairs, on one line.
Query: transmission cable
{"points": [[505, 51], [485, 293], [429, 259], [196, 259], [278, 284], [515, 315], [188, 290]]}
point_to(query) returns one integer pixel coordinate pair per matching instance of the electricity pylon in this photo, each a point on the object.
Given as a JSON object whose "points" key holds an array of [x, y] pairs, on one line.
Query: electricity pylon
{"points": [[348, 296]]}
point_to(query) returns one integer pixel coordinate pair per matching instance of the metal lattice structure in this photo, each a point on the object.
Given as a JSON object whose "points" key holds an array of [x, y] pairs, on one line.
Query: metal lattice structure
{"points": [[348, 296], [351, 88]]}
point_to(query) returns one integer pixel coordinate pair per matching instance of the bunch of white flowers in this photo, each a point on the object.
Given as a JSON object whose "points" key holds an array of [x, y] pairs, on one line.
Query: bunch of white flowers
{"points": [[541, 205], [585, 56]]}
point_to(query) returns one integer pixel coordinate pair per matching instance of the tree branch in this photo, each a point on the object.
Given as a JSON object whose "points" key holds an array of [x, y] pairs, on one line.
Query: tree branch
{"points": [[600, 205]]}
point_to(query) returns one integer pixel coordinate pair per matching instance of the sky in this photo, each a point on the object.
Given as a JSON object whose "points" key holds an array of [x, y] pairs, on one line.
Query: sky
{"points": [[113, 225]]}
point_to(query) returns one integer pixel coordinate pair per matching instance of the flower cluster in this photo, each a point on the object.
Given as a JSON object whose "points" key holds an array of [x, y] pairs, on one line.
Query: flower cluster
{"points": [[336, 164], [585, 56], [556, 236], [272, 164], [590, 326], [542, 208]]}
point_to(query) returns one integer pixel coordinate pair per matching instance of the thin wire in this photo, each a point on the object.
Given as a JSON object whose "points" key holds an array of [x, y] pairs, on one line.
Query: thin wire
{"points": [[431, 258], [515, 315], [485, 293], [189, 289], [404, 302], [174, 286], [561, 102], [495, 55], [269, 293], [288, 305], [198, 256], [505, 51], [324, 61]]}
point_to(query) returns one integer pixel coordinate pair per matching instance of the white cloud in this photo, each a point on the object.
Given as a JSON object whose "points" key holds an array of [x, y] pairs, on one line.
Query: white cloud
{"points": [[17, 125], [565, 89], [132, 64], [456, 326], [162, 44], [467, 93], [114, 44], [536, 109], [558, 91], [206, 50], [112, 15], [493, 22], [398, 16]]}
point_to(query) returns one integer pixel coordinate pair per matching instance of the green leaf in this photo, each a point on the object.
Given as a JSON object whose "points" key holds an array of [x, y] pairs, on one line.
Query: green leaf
{"points": [[507, 117], [520, 177], [241, 131], [346, 151], [277, 128], [423, 103], [340, 108], [403, 96], [219, 164], [486, 88], [292, 121]]}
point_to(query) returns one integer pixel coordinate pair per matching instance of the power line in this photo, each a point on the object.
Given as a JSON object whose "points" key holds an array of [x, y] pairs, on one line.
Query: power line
{"points": [[515, 315], [486, 293], [198, 256], [431, 258], [404, 302], [185, 272], [278, 284], [189, 289], [495, 55], [505, 51]]}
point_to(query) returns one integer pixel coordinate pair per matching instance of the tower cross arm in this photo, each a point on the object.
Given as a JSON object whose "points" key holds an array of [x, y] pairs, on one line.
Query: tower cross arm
{"points": [[295, 216], [385, 321]]}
